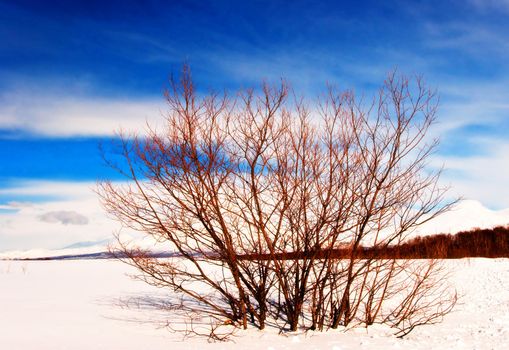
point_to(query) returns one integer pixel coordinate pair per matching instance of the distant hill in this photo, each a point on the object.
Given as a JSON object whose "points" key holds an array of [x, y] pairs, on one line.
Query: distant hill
{"points": [[465, 216], [87, 244]]}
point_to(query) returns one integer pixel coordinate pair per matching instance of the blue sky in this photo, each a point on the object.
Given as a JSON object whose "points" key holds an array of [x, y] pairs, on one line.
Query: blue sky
{"points": [[73, 72]]}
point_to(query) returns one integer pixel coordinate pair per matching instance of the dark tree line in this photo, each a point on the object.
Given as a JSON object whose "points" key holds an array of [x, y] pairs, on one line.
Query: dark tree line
{"points": [[486, 243]]}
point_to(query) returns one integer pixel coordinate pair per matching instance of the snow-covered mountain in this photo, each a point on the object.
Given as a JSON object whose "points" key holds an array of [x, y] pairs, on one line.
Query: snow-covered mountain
{"points": [[466, 215], [79, 248]]}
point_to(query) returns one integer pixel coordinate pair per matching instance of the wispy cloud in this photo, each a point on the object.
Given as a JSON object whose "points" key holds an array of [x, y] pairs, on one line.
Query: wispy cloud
{"points": [[490, 5], [65, 115]]}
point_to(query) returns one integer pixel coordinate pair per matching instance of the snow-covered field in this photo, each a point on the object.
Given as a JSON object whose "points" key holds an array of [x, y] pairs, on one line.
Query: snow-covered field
{"points": [[78, 305]]}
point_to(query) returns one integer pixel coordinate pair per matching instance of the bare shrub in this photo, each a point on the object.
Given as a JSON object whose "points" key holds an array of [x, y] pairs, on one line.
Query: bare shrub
{"points": [[257, 191]]}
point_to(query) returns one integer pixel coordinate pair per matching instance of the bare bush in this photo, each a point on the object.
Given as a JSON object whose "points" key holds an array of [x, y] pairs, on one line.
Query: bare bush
{"points": [[257, 191]]}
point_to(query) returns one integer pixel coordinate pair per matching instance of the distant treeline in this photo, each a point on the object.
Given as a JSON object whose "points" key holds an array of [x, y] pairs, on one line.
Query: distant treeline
{"points": [[487, 243]]}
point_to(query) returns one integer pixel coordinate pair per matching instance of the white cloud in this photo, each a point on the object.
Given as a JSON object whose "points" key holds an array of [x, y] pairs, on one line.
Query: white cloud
{"points": [[482, 178], [60, 115], [64, 217]]}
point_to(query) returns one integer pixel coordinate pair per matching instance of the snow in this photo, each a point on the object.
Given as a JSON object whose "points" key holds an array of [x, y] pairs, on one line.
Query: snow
{"points": [[41, 253], [466, 215], [84, 248], [77, 305]]}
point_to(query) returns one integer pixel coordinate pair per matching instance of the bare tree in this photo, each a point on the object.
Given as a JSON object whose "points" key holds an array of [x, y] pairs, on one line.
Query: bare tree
{"points": [[257, 192]]}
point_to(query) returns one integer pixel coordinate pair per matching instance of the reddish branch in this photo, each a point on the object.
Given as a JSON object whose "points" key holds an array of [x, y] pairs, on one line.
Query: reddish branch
{"points": [[263, 174]]}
